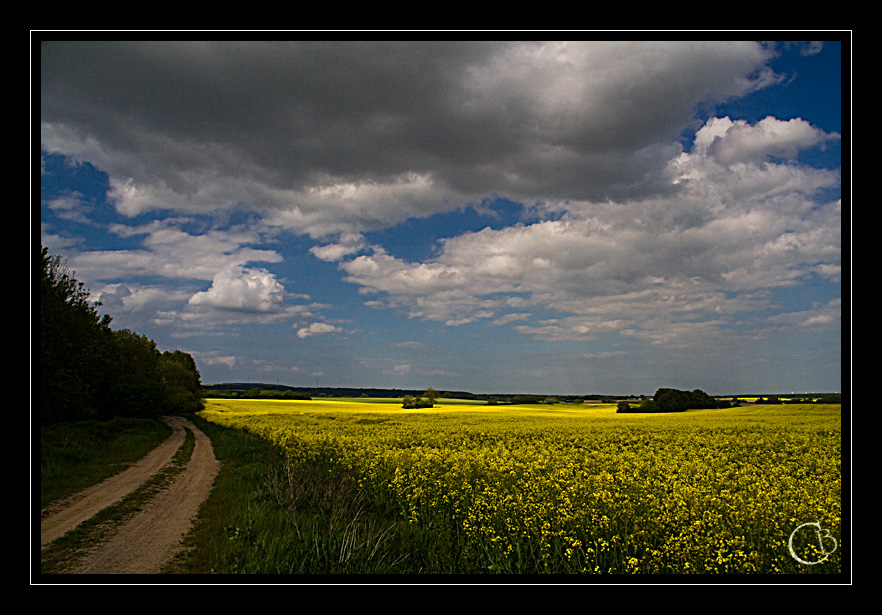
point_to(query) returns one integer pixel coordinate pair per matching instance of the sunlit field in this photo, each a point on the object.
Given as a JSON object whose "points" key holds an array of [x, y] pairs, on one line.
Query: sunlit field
{"points": [[579, 488]]}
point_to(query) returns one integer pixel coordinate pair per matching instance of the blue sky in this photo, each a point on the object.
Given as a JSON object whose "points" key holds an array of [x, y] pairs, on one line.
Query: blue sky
{"points": [[528, 217]]}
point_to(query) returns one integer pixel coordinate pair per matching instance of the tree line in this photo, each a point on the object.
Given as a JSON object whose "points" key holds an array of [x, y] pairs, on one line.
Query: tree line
{"points": [[674, 400], [90, 371], [255, 393]]}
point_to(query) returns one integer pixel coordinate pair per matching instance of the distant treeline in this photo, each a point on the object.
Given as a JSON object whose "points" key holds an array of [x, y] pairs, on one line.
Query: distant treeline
{"points": [[251, 390], [89, 371], [255, 393], [675, 400], [819, 398], [278, 391]]}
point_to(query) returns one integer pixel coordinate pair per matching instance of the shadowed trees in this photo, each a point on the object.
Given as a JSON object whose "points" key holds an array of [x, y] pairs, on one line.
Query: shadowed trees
{"points": [[89, 371], [674, 400], [73, 340]]}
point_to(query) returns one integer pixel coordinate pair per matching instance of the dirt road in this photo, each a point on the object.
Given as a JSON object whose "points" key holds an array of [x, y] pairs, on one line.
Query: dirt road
{"points": [[147, 541]]}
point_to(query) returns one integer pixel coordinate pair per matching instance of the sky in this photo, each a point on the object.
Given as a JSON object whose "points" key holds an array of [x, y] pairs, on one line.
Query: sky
{"points": [[546, 217]]}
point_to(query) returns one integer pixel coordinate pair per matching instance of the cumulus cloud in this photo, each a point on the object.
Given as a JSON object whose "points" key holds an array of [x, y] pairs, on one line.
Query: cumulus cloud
{"points": [[349, 243], [347, 137], [170, 252], [317, 328], [127, 298], [689, 260], [730, 141], [248, 290]]}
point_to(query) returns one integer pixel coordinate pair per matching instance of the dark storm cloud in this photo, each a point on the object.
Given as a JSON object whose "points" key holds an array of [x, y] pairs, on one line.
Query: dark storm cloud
{"points": [[397, 128]]}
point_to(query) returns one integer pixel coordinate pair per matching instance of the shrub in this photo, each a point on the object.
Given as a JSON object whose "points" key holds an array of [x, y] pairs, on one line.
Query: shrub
{"points": [[410, 402]]}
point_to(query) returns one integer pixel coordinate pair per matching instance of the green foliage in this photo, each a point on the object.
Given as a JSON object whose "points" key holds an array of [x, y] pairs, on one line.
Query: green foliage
{"points": [[73, 341], [409, 402], [181, 382], [268, 514], [89, 371], [256, 393], [79, 454], [674, 400]]}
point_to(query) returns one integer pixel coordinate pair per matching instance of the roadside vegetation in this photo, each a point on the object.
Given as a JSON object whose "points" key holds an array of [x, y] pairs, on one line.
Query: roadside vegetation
{"points": [[65, 553], [79, 454], [267, 516]]}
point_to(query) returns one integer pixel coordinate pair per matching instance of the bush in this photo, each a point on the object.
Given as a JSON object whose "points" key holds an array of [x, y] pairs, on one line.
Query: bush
{"points": [[410, 402]]}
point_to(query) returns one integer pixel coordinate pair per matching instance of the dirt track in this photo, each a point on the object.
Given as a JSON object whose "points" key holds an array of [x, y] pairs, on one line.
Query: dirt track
{"points": [[147, 541]]}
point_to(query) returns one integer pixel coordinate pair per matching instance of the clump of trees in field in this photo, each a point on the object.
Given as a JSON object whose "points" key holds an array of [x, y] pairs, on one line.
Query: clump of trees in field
{"points": [[90, 371], [426, 400], [674, 400]]}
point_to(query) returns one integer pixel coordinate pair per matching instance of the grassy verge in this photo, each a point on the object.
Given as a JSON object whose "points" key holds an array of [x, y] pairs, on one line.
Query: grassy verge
{"points": [[267, 516], [77, 455]]}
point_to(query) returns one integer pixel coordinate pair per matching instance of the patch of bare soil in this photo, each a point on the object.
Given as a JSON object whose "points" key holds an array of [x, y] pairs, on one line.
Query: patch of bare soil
{"points": [[150, 539]]}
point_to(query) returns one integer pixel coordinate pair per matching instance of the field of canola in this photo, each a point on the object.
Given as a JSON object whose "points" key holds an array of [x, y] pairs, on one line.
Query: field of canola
{"points": [[581, 489]]}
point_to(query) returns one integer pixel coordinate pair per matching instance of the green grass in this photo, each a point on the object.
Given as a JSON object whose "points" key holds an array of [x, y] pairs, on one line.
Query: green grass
{"points": [[268, 516], [264, 515], [65, 553], [77, 455]]}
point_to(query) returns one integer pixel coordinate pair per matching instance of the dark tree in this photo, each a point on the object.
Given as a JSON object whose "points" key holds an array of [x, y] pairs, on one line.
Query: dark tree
{"points": [[431, 395], [73, 344], [89, 371], [136, 390], [181, 382], [671, 400]]}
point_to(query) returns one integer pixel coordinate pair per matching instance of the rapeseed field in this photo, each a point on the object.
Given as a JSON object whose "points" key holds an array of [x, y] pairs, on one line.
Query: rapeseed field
{"points": [[580, 489]]}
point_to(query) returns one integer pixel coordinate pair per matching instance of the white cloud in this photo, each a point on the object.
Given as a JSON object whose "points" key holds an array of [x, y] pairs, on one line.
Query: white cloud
{"points": [[71, 207], [248, 290], [349, 243], [317, 328], [118, 299], [170, 252], [730, 141], [510, 318], [690, 260], [210, 359]]}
